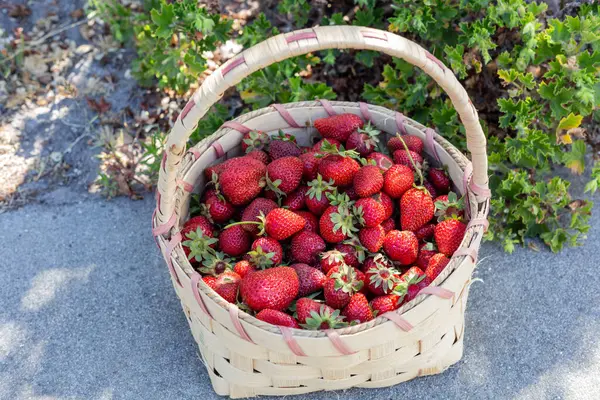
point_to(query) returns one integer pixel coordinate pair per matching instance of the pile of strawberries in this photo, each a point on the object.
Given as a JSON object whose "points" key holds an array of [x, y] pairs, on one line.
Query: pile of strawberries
{"points": [[324, 236]]}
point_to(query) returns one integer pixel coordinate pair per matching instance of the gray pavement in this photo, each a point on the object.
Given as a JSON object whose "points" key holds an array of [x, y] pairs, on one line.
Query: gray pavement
{"points": [[87, 312]]}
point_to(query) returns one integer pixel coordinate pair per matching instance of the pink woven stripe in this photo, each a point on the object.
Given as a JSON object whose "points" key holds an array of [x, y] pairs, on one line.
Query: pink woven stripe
{"points": [[430, 142], [374, 35], [194, 286], [164, 228], [286, 115], [466, 176], [218, 149], [188, 187], [175, 240], [291, 341], [466, 251], [480, 190], [190, 104], [195, 152], [364, 110], [479, 221], [437, 291], [243, 129], [232, 65], [435, 60], [328, 107], [338, 343], [301, 36], [400, 118], [235, 319], [398, 320]]}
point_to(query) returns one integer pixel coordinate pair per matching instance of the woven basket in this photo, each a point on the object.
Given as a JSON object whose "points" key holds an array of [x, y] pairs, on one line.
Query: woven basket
{"points": [[247, 357]]}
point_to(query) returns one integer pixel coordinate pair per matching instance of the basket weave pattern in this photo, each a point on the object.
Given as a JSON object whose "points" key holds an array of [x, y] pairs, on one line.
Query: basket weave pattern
{"points": [[247, 357]]}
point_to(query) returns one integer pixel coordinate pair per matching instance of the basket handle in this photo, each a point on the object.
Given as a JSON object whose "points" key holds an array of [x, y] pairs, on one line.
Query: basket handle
{"points": [[300, 42]]}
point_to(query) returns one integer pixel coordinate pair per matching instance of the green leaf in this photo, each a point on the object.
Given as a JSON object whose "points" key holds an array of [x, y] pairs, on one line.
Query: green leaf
{"points": [[569, 122], [163, 20], [575, 159]]}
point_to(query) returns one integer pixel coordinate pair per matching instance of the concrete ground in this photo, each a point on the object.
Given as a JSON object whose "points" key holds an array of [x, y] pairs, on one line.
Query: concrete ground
{"points": [[88, 312]]}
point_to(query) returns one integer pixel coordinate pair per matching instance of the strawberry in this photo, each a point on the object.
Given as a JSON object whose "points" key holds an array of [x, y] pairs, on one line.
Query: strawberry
{"points": [[411, 283], [386, 303], [382, 161], [401, 246], [372, 238], [283, 146], [403, 157], [363, 140], [211, 281], [413, 143], [265, 252], [368, 181], [331, 259], [439, 179], [338, 127], [310, 165], [436, 265], [234, 241], [296, 200], [314, 315], [361, 276], [388, 225], [284, 175], [328, 143], [216, 208], [336, 224], [254, 140], [273, 288], [311, 279], [369, 212], [253, 211], [281, 223], [358, 309], [242, 180], [397, 180], [448, 205], [353, 252], [213, 171], [425, 232], [259, 155], [306, 247], [227, 285], [350, 192], [340, 169], [448, 235], [426, 251], [277, 317], [416, 209], [316, 196], [198, 241], [214, 264], [312, 222], [243, 267], [340, 286], [387, 203], [430, 188], [382, 278]]}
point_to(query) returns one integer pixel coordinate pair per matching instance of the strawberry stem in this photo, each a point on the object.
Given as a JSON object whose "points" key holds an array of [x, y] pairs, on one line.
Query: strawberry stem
{"points": [[412, 161]]}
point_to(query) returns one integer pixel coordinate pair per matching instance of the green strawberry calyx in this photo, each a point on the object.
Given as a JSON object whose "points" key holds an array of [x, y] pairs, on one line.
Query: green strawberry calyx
{"points": [[346, 280], [384, 277], [317, 187], [326, 318], [328, 148], [452, 205], [333, 257], [274, 186], [343, 220], [214, 264], [199, 245], [359, 249], [256, 140], [260, 258], [372, 134]]}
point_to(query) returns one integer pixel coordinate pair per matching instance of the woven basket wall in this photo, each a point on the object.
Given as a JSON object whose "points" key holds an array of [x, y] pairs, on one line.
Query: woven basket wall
{"points": [[246, 357]]}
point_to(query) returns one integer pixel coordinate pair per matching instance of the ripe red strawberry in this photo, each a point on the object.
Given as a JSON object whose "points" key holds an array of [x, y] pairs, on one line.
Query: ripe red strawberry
{"points": [[369, 212], [242, 180], [426, 251], [385, 303], [448, 205], [368, 181], [265, 252], [243, 267], [388, 225], [312, 222], [306, 247], [331, 259], [217, 208], [314, 315], [372, 238], [296, 200], [403, 157], [213, 171], [211, 281], [338, 127], [197, 235], [340, 169], [416, 209], [281, 223], [382, 278], [214, 264], [350, 192], [448, 235], [277, 317], [387, 203], [234, 241], [358, 309], [430, 188], [227, 285], [361, 276], [412, 281], [283, 146], [330, 142], [382, 161], [253, 210], [353, 252], [336, 224], [397, 180], [340, 286], [316, 196], [425, 232], [254, 140], [413, 143], [436, 265], [259, 155], [364, 140], [311, 279], [273, 288], [284, 174], [310, 165], [194, 223], [439, 179], [401, 246]]}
